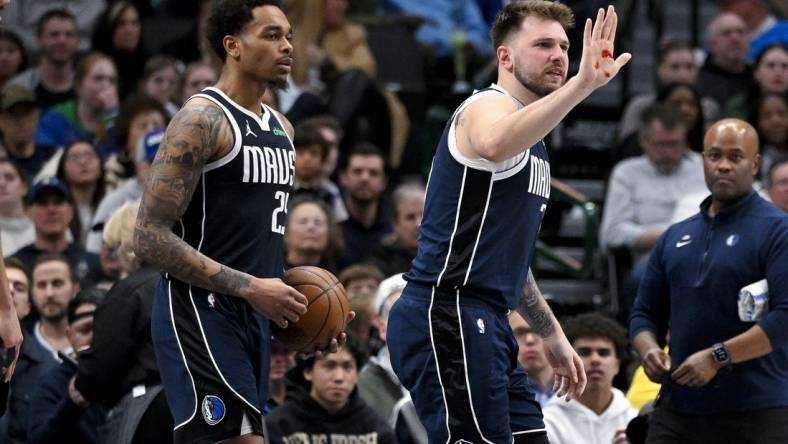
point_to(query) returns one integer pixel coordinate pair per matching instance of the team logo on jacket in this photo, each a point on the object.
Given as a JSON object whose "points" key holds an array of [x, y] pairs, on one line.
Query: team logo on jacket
{"points": [[732, 240], [683, 241], [480, 325], [212, 409]]}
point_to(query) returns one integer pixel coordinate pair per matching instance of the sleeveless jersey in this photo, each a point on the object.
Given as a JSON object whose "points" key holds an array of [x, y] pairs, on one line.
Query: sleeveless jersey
{"points": [[481, 219], [237, 213]]}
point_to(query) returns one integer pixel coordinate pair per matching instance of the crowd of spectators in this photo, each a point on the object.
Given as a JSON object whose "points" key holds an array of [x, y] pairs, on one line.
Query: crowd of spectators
{"points": [[86, 92]]}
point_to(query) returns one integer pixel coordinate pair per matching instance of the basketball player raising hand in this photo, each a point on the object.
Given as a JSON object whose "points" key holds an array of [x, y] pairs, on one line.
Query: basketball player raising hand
{"points": [[448, 334], [212, 218]]}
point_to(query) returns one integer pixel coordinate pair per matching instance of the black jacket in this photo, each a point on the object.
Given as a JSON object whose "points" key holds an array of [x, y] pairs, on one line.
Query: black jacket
{"points": [[302, 415], [53, 415], [122, 352]]}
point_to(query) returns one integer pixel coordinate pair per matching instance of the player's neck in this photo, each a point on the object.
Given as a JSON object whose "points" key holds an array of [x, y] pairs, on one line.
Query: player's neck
{"points": [[507, 81], [241, 89]]}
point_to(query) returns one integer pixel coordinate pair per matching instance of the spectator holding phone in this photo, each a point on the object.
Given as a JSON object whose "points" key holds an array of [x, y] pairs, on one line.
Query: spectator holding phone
{"points": [[58, 417]]}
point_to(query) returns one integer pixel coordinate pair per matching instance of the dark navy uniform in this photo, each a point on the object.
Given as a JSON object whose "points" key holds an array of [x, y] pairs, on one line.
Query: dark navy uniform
{"points": [[213, 349], [449, 335]]}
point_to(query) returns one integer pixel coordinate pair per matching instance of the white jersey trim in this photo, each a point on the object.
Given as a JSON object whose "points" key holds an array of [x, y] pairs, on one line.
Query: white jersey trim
{"points": [[501, 170]]}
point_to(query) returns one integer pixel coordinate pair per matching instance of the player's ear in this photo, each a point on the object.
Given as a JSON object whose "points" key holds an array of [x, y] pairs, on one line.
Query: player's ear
{"points": [[505, 57], [231, 46]]}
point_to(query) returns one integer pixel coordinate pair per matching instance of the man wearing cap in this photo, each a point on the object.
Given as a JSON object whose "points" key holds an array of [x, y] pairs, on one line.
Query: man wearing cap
{"points": [[50, 207], [129, 191], [19, 118]]}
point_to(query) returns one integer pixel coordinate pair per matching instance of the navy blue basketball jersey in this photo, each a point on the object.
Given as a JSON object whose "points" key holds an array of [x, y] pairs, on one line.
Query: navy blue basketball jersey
{"points": [[481, 219], [237, 213]]}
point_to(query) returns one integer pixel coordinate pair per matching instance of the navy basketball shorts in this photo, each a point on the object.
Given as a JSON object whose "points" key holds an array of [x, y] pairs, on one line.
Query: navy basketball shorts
{"points": [[213, 355], [458, 359]]}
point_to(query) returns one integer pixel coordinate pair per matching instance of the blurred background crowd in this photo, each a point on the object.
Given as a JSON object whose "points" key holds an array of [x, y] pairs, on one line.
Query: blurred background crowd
{"points": [[88, 86]]}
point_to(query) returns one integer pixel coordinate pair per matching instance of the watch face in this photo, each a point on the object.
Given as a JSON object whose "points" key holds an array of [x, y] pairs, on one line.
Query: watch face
{"points": [[720, 353]]}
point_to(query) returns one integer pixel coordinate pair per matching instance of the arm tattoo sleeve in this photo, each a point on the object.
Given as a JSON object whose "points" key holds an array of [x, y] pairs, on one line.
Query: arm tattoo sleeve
{"points": [[192, 138], [534, 309]]}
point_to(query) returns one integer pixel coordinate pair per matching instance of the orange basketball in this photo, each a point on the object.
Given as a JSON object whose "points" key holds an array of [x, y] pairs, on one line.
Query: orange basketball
{"points": [[326, 311]]}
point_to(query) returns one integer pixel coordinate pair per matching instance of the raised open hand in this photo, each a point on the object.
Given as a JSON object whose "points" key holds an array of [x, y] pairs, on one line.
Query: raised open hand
{"points": [[597, 65]]}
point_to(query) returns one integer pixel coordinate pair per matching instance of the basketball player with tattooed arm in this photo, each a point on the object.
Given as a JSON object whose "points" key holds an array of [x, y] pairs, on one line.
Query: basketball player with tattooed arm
{"points": [[212, 218], [449, 336]]}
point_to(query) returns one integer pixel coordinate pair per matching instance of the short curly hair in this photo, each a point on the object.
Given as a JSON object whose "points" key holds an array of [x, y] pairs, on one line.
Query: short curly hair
{"points": [[596, 325], [228, 17]]}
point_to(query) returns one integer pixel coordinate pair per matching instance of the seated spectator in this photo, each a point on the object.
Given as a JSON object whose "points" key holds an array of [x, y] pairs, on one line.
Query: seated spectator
{"points": [[52, 80], [363, 182], [322, 403], [442, 19], [88, 115], [312, 151], [19, 284], [54, 286], [398, 250], [19, 119], [60, 415], [282, 360], [533, 359], [25, 18], [378, 386], [51, 208], [675, 64], [160, 80], [763, 27], [137, 117], [131, 190], [119, 370], [686, 100], [118, 34], [725, 72], [308, 234], [196, 77], [602, 412], [16, 229], [361, 282], [776, 184], [13, 56], [332, 60], [769, 116], [80, 168], [643, 190], [771, 77]]}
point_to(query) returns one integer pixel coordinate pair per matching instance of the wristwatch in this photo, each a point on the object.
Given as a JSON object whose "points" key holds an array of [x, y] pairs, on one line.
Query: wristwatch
{"points": [[720, 354]]}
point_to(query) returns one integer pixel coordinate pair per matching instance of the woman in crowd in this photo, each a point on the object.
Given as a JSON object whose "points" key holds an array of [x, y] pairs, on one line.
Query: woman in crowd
{"points": [[770, 72], [769, 116], [138, 116], [88, 116], [687, 100], [13, 58], [119, 35], [160, 80], [308, 235], [196, 77], [81, 169]]}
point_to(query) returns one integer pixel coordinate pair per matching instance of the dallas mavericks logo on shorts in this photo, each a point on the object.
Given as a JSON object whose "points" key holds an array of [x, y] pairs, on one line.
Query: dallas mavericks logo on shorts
{"points": [[212, 409]]}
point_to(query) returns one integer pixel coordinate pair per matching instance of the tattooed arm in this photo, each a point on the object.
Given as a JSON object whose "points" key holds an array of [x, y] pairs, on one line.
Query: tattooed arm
{"points": [[570, 377], [198, 134]]}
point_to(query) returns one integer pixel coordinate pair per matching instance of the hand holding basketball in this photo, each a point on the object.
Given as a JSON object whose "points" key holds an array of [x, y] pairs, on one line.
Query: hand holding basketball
{"points": [[278, 301], [322, 327], [597, 65]]}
